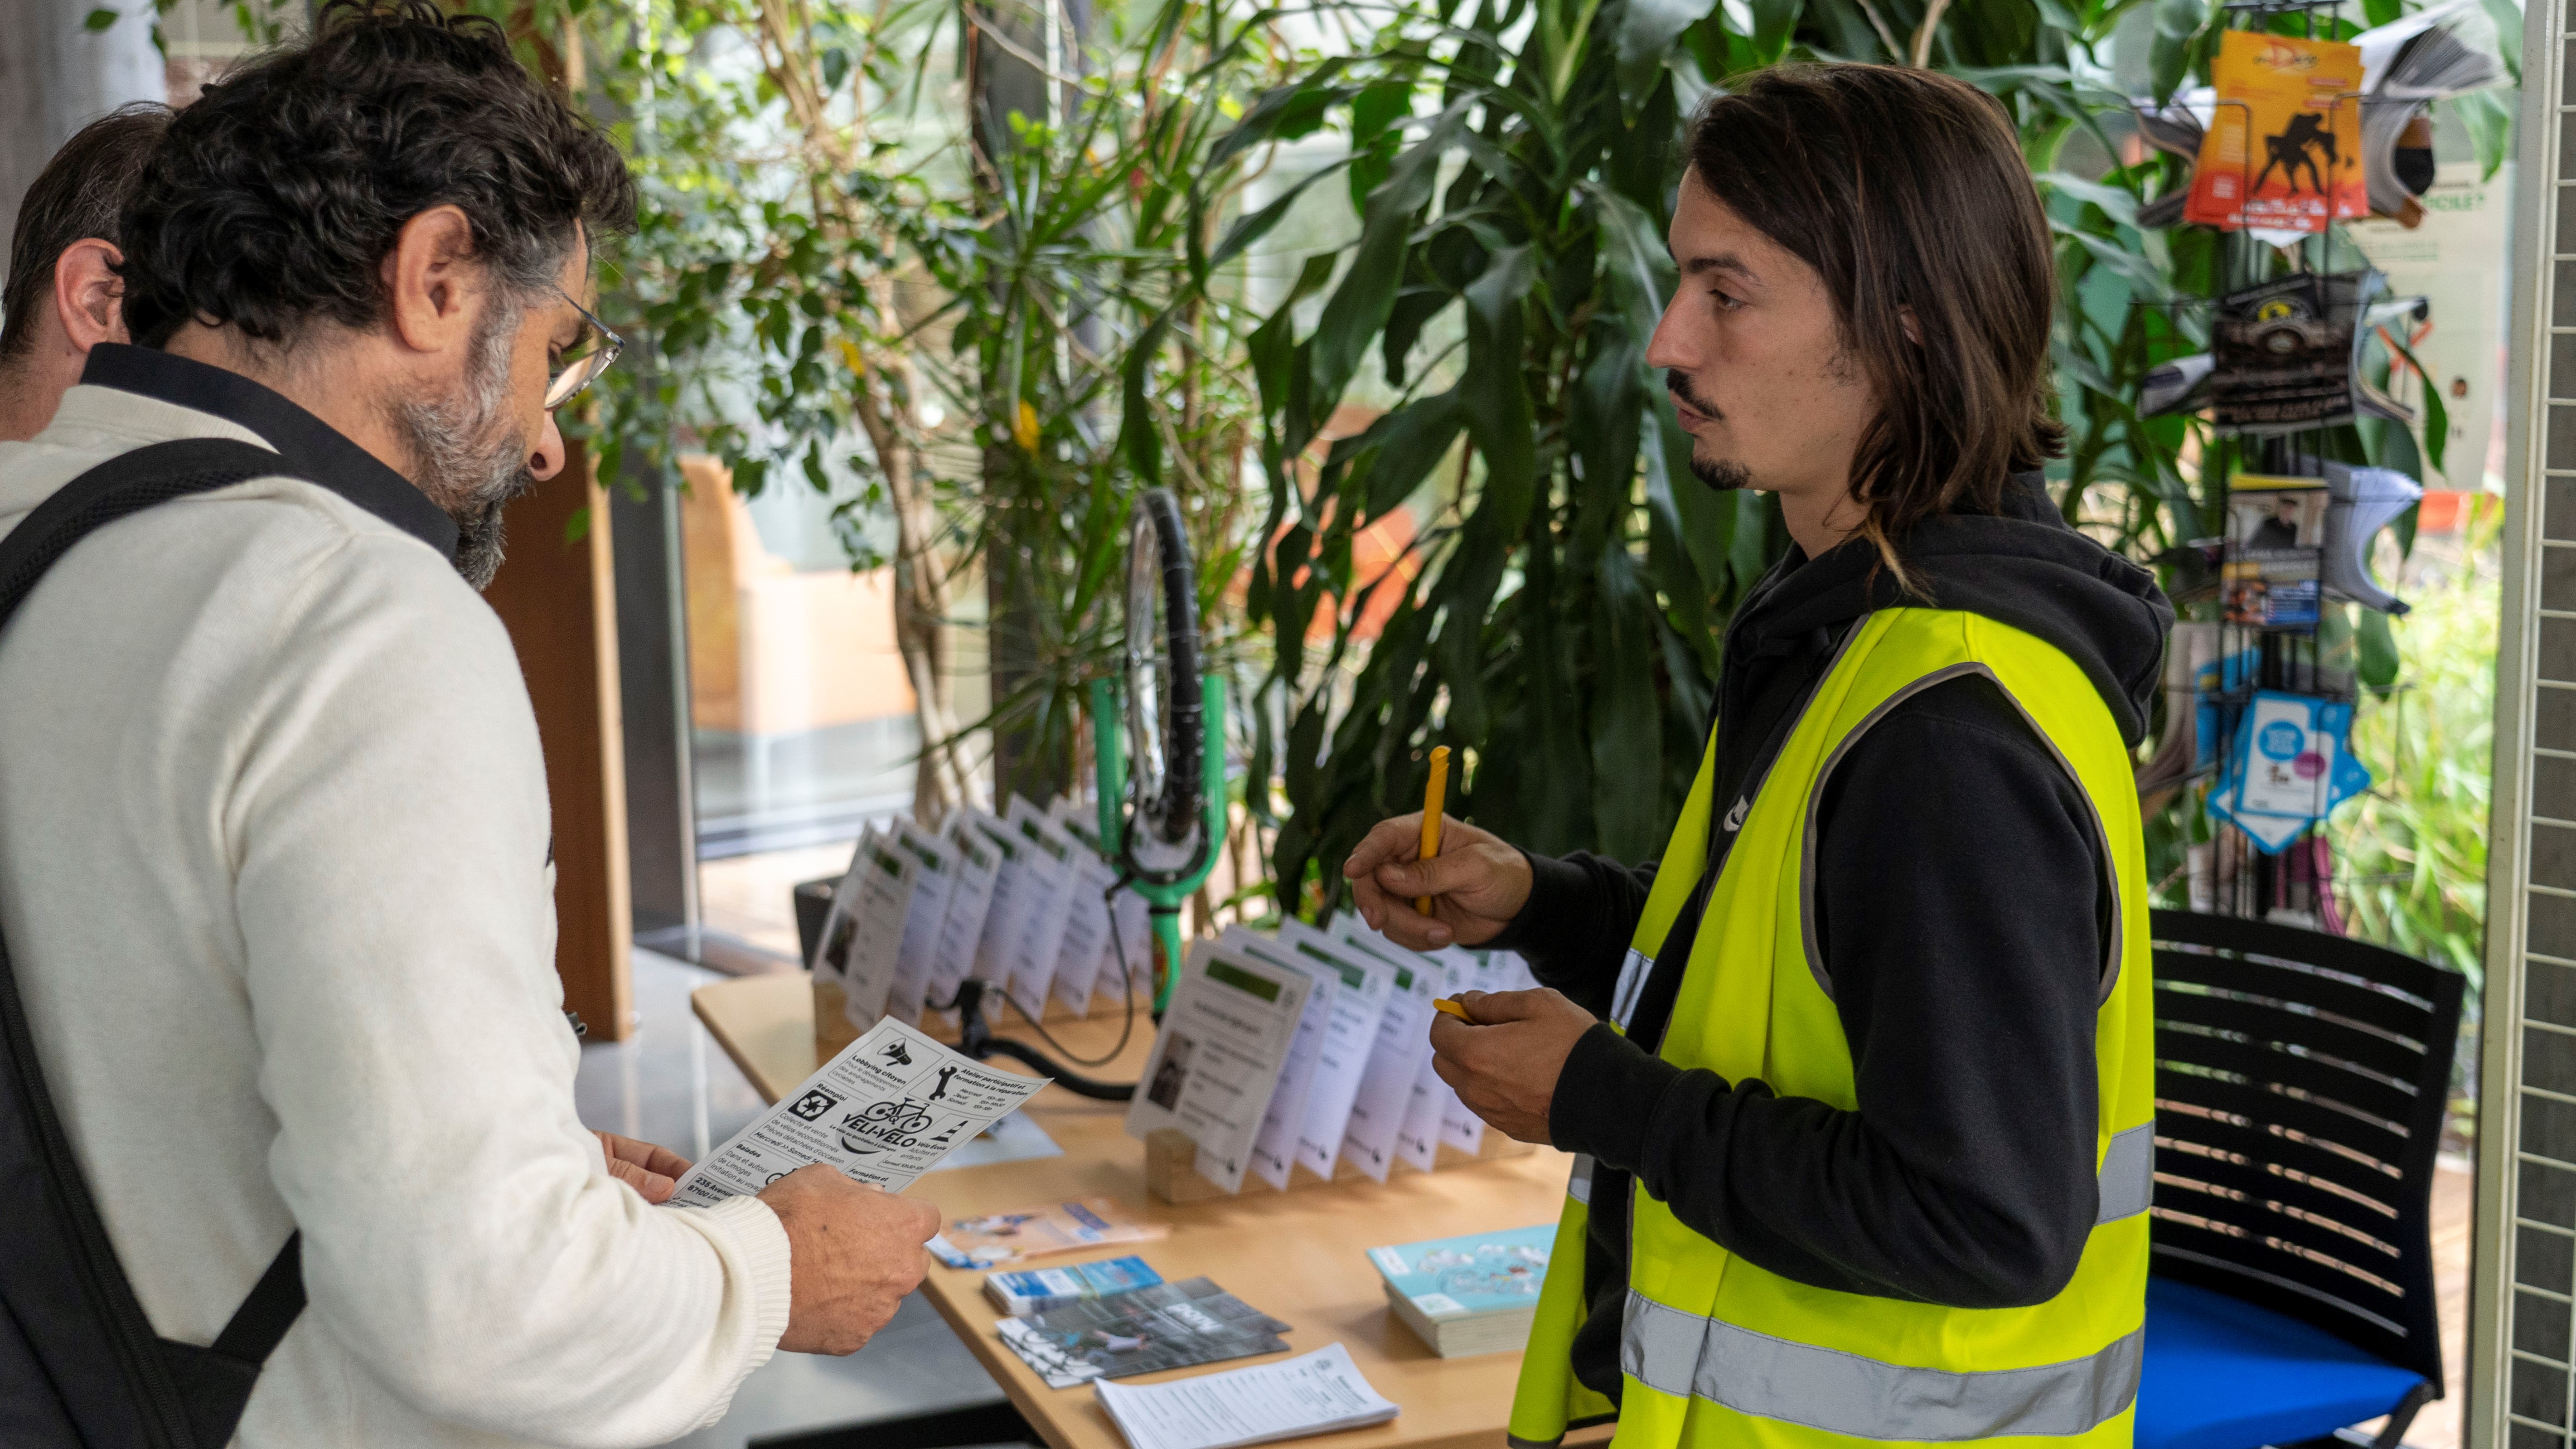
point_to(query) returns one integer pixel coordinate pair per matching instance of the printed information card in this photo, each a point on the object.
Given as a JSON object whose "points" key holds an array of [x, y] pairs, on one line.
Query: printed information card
{"points": [[884, 1111]]}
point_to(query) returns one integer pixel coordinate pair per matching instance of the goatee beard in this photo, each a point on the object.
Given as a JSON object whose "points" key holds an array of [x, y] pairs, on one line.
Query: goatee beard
{"points": [[479, 539], [471, 461], [1723, 474]]}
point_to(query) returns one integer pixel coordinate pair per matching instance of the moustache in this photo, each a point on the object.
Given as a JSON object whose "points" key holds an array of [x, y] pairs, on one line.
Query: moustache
{"points": [[1677, 382]]}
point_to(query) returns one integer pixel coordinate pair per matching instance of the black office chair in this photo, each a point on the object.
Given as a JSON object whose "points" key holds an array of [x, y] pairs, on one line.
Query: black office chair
{"points": [[2301, 1081]]}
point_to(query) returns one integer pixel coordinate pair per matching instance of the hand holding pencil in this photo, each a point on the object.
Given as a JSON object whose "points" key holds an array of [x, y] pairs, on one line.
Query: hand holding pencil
{"points": [[1429, 881]]}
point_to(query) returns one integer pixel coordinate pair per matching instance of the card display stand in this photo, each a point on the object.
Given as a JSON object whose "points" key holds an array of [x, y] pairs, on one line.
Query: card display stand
{"points": [[1171, 1176], [832, 1029]]}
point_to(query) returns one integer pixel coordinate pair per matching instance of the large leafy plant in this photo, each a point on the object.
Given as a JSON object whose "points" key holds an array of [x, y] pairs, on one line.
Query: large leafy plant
{"points": [[838, 284], [1558, 611]]}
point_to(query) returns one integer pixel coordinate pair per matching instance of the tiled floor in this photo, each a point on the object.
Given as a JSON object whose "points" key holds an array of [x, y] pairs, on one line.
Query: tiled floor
{"points": [[650, 1087]]}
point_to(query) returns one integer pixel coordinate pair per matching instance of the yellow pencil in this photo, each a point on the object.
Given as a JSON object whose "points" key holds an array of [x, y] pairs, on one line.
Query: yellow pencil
{"points": [[1454, 1009], [1434, 797]]}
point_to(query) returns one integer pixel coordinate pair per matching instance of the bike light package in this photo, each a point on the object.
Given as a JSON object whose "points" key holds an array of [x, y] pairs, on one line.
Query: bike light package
{"points": [[883, 1111], [2288, 353], [2283, 149]]}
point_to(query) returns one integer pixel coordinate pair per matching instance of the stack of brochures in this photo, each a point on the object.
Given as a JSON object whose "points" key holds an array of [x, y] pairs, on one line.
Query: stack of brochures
{"points": [[1474, 1294], [1314, 1393], [1170, 1325], [1037, 1290]]}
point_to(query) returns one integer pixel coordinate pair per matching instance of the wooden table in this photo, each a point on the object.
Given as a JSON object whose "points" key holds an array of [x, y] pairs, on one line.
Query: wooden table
{"points": [[1300, 1255]]}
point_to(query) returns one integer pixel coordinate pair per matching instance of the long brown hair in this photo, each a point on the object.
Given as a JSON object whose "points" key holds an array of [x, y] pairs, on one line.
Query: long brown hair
{"points": [[1907, 192]]}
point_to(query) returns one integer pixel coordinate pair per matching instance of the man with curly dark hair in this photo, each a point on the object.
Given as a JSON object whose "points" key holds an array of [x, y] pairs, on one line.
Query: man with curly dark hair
{"points": [[275, 863]]}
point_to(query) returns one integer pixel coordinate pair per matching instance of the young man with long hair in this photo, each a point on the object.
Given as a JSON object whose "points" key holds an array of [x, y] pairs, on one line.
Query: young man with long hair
{"points": [[1859, 1071]]}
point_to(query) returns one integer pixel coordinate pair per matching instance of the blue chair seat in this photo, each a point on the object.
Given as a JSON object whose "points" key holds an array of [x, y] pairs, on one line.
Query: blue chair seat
{"points": [[2222, 1373]]}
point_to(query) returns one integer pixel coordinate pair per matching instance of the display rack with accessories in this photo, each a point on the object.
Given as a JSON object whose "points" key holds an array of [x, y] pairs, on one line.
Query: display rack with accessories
{"points": [[2299, 131]]}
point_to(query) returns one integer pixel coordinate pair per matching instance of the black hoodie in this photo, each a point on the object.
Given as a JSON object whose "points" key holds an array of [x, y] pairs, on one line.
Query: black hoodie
{"points": [[1962, 911]]}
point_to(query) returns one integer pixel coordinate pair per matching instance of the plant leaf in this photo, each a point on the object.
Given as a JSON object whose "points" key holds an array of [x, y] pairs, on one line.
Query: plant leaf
{"points": [[1498, 405], [1358, 308], [1647, 32]]}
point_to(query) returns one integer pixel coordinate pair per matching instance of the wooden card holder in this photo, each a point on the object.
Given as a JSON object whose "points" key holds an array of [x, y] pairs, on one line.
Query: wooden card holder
{"points": [[1171, 1172]]}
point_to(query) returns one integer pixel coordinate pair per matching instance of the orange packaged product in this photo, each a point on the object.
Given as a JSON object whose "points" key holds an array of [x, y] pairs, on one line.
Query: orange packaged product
{"points": [[2283, 152]]}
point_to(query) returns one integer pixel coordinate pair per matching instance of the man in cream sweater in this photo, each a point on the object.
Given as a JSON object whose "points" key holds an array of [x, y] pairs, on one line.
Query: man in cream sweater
{"points": [[274, 850]]}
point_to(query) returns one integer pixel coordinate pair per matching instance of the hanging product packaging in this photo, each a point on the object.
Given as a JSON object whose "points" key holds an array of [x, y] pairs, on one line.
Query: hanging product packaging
{"points": [[2290, 766], [2283, 151], [2365, 500], [2288, 353], [2275, 534]]}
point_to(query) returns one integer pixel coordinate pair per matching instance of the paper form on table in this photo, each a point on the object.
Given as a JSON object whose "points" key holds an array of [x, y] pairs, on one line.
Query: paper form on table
{"points": [[1314, 1393]]}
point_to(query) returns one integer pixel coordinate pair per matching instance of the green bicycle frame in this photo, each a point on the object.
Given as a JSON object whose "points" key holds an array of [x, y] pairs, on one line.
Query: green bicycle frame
{"points": [[1109, 755]]}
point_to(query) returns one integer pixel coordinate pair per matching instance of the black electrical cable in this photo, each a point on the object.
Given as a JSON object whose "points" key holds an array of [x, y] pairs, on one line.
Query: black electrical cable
{"points": [[1126, 988]]}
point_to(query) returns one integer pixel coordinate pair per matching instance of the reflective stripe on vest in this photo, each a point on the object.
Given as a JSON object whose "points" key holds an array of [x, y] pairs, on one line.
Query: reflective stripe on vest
{"points": [[2128, 1176], [1843, 1393]]}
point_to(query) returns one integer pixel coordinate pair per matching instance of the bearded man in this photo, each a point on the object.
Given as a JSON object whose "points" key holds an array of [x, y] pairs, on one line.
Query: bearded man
{"points": [[275, 875]]}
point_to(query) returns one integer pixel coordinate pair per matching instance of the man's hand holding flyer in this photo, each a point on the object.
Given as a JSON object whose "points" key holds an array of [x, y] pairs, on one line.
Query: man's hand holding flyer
{"points": [[884, 1111]]}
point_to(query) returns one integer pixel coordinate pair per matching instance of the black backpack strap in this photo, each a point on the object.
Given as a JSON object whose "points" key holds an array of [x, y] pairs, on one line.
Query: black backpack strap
{"points": [[271, 1308], [214, 1382], [124, 484], [73, 1329]]}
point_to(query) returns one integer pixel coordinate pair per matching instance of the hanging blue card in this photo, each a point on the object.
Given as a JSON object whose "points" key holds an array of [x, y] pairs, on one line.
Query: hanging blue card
{"points": [[2289, 766]]}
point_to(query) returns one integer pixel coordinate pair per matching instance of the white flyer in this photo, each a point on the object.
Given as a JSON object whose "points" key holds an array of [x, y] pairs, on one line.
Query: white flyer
{"points": [[1349, 1035], [1417, 1138], [1395, 1058], [1086, 922], [1131, 935], [1274, 1147], [1011, 892], [1511, 972], [832, 943], [874, 917], [1050, 854], [934, 885], [1217, 1056], [883, 1111], [1313, 1393], [1460, 1128], [969, 898]]}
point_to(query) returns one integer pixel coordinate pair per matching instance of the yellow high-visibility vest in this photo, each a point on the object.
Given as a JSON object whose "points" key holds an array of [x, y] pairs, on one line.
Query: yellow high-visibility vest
{"points": [[1717, 1351]]}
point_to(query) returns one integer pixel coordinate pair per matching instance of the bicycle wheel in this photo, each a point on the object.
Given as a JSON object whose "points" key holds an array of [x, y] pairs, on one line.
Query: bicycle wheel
{"points": [[1166, 719]]}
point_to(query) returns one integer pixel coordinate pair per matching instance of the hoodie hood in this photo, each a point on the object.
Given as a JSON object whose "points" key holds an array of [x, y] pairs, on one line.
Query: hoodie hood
{"points": [[2022, 566]]}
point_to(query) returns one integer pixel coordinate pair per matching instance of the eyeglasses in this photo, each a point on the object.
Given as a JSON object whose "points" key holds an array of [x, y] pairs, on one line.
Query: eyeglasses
{"points": [[583, 362]]}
